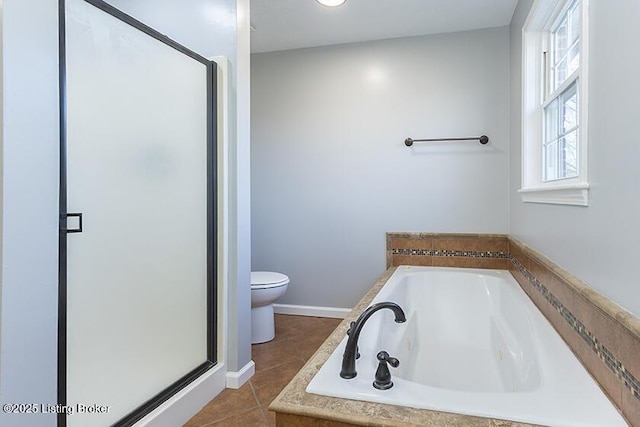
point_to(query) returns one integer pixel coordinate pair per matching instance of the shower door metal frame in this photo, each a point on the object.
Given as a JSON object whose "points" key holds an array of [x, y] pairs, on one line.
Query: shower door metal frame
{"points": [[211, 73]]}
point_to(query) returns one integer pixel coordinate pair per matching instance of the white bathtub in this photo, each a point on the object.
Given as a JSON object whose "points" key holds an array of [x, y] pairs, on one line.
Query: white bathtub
{"points": [[474, 344]]}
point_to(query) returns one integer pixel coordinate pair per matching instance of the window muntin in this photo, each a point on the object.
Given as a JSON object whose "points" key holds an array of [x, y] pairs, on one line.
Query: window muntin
{"points": [[560, 144], [561, 114], [565, 46]]}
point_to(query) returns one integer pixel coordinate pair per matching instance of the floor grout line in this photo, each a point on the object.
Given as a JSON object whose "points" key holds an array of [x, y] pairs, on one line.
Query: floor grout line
{"points": [[229, 416], [264, 416], [255, 396]]}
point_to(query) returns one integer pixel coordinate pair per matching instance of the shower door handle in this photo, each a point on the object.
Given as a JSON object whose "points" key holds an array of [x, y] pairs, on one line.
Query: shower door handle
{"points": [[64, 225]]}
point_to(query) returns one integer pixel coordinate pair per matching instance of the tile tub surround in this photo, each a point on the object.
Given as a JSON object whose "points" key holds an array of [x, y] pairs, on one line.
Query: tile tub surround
{"points": [[448, 250], [295, 407], [604, 337]]}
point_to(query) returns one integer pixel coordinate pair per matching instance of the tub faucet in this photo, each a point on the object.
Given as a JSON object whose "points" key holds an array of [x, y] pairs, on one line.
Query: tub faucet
{"points": [[350, 351]]}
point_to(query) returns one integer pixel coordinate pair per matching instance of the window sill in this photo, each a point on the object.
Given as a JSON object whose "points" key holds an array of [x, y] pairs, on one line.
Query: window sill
{"points": [[574, 194]]}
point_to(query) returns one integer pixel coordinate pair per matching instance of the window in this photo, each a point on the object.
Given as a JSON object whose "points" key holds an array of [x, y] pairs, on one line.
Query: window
{"points": [[554, 137]]}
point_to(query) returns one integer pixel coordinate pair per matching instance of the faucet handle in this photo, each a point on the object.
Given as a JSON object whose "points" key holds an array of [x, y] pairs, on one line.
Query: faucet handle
{"points": [[383, 376], [384, 356]]}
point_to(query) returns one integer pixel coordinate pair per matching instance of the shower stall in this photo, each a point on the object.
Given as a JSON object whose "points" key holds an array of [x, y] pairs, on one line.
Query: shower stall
{"points": [[137, 264]]}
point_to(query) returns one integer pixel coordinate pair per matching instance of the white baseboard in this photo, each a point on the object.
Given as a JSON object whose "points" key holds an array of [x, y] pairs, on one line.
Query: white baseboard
{"points": [[308, 310], [237, 379], [187, 402]]}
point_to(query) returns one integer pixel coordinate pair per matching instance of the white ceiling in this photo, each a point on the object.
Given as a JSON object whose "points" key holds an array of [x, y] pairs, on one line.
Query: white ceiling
{"points": [[293, 24]]}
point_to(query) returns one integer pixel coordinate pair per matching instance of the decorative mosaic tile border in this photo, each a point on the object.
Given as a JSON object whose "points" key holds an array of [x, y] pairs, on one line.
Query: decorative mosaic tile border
{"points": [[630, 382], [448, 253]]}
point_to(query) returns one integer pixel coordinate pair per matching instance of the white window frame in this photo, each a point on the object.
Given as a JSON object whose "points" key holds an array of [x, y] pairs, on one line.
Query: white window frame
{"points": [[536, 31]]}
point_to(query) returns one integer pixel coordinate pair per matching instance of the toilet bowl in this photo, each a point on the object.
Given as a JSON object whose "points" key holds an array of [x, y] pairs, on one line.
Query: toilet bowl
{"points": [[266, 287]]}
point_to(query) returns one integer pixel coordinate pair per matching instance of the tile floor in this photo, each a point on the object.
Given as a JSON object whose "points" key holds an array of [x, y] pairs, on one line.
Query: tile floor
{"points": [[277, 361]]}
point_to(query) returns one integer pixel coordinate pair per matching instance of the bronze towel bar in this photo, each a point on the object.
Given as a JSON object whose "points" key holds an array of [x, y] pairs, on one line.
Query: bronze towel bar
{"points": [[483, 140]]}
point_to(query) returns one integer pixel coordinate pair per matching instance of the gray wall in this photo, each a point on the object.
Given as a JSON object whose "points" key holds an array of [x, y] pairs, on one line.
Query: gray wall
{"points": [[1, 161], [28, 362], [330, 171], [598, 243]]}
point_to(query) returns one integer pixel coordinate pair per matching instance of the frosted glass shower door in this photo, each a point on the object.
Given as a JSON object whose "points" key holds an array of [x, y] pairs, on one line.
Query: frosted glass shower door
{"points": [[138, 168]]}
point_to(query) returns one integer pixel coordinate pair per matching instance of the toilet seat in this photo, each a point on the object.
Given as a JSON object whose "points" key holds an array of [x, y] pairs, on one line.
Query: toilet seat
{"points": [[267, 279]]}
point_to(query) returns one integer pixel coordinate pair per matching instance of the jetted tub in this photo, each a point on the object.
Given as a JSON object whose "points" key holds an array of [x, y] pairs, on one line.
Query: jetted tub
{"points": [[473, 344]]}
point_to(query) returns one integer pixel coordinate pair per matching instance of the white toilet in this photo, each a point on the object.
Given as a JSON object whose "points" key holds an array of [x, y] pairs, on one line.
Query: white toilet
{"points": [[266, 287]]}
